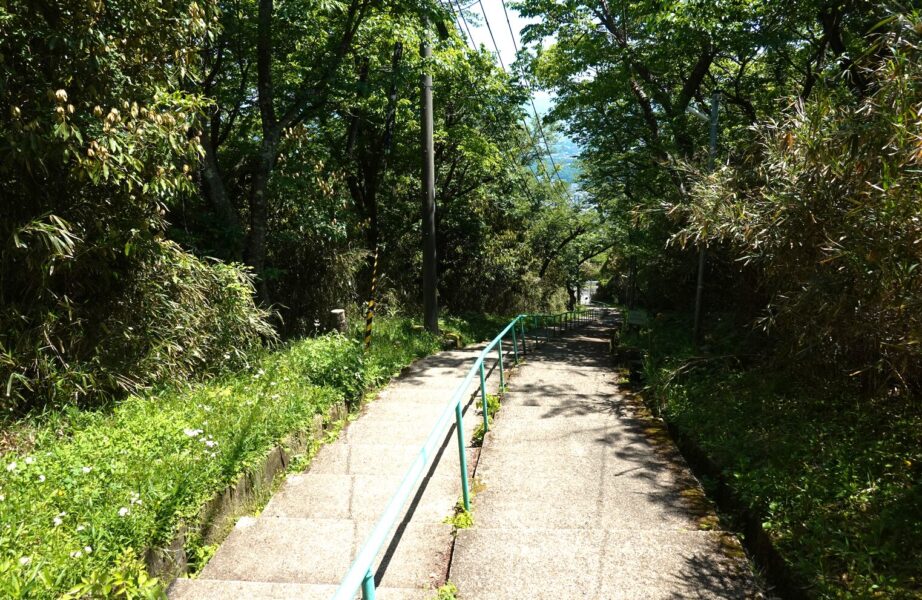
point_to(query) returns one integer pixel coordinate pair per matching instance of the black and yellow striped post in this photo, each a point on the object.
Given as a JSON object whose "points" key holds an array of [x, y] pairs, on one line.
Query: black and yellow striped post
{"points": [[370, 313]]}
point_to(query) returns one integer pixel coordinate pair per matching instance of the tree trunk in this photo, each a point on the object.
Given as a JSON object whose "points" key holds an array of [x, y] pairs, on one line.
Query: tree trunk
{"points": [[571, 297], [216, 193], [259, 212]]}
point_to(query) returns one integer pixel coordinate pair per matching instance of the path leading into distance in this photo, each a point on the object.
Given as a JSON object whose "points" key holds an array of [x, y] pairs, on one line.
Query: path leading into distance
{"points": [[583, 499], [578, 498]]}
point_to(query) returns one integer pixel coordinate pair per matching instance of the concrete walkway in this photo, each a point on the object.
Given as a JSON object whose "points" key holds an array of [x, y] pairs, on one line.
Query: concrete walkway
{"points": [[306, 538], [580, 503]]}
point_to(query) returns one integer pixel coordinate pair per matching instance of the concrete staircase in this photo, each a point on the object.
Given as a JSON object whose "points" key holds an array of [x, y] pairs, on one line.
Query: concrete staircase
{"points": [[581, 499], [579, 503], [304, 541]]}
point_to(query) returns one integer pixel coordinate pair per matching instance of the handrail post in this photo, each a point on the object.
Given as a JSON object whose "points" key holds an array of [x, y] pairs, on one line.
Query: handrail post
{"points": [[459, 425], [483, 399], [368, 586], [524, 338], [515, 345], [502, 376]]}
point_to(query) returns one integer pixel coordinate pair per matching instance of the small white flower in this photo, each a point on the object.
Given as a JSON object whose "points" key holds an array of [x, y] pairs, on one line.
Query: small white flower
{"points": [[25, 560], [87, 469], [11, 466], [211, 443], [76, 554], [2, 497], [57, 521], [80, 527], [275, 397], [192, 432], [273, 383], [87, 549], [30, 460], [41, 479], [123, 511], [226, 355]]}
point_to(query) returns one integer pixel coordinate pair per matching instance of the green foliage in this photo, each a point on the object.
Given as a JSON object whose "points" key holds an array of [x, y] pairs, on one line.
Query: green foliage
{"points": [[840, 175], [87, 492], [473, 327], [96, 142], [449, 591], [171, 318], [493, 406], [461, 519], [834, 476]]}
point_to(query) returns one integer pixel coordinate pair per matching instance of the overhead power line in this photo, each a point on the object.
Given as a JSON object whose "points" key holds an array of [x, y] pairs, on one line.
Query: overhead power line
{"points": [[499, 57], [531, 100], [470, 41], [540, 128]]}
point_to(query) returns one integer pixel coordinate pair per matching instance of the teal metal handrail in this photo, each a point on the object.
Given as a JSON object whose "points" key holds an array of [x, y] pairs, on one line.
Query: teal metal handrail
{"points": [[360, 574]]}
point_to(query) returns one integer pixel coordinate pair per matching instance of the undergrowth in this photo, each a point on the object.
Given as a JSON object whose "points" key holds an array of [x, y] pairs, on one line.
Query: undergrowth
{"points": [[836, 476], [83, 493], [493, 405]]}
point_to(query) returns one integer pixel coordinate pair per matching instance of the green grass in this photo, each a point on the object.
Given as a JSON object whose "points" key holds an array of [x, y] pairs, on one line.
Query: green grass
{"points": [[836, 478], [472, 327], [86, 492]]}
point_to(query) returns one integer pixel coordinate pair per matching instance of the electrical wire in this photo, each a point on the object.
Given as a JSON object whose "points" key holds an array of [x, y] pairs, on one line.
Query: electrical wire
{"points": [[470, 41], [495, 46], [541, 134]]}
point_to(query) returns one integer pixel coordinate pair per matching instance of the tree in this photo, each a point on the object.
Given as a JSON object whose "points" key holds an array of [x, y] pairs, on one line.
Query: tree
{"points": [[97, 143]]}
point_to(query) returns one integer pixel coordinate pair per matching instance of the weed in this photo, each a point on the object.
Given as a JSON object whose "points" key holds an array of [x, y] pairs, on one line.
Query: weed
{"points": [[461, 518], [493, 406], [447, 592]]}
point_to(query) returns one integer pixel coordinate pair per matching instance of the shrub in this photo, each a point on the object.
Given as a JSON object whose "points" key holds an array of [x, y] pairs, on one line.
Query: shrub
{"points": [[171, 317], [827, 209]]}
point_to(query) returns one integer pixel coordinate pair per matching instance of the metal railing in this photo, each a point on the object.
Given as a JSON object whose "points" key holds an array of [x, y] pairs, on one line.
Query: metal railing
{"points": [[361, 574]]}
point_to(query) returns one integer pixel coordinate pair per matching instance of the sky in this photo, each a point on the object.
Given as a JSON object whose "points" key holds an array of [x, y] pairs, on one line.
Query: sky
{"points": [[564, 150], [504, 40]]}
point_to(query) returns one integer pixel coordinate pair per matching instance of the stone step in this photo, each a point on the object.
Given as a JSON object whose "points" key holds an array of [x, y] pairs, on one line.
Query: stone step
{"points": [[310, 551], [578, 415], [534, 398], [341, 458], [550, 382], [362, 497], [565, 502], [622, 564], [205, 589], [412, 430], [393, 409], [515, 407], [517, 469]]}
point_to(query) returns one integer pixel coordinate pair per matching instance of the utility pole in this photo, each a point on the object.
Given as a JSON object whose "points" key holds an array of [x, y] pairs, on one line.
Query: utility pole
{"points": [[712, 155], [430, 274]]}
